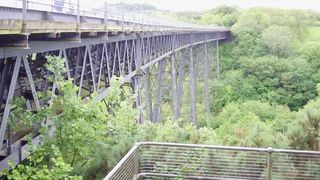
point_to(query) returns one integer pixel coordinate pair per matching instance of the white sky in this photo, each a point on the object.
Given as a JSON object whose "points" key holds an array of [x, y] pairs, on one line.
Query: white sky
{"points": [[195, 5]]}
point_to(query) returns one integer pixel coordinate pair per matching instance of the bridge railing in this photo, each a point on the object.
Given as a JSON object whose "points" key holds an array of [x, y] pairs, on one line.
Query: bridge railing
{"points": [[128, 167], [172, 161], [99, 9]]}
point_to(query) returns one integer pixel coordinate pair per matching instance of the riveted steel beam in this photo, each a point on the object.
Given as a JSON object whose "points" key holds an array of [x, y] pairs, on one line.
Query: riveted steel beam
{"points": [[31, 82], [137, 79], [148, 102], [14, 41], [158, 93], [193, 83], [206, 81], [129, 55], [6, 113], [174, 87], [181, 77], [218, 68]]}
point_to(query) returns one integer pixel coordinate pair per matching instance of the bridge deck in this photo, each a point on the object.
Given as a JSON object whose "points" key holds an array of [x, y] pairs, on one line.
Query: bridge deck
{"points": [[30, 20]]}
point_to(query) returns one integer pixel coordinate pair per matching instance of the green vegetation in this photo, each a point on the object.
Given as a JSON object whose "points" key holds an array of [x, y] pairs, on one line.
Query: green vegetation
{"points": [[268, 92], [267, 96], [80, 137], [84, 140]]}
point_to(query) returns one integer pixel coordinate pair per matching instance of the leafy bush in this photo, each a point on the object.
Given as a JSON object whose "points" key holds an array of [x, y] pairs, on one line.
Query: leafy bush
{"points": [[250, 131], [178, 132]]}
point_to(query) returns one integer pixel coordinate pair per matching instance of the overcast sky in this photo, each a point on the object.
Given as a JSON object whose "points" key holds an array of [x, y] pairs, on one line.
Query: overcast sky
{"points": [[195, 5]]}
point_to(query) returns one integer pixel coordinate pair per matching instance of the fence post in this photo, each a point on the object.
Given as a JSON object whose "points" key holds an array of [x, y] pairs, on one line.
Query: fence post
{"points": [[269, 163], [24, 16]]}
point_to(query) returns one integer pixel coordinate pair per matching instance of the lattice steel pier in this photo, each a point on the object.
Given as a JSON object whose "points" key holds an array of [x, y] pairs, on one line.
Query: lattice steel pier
{"points": [[149, 160]]}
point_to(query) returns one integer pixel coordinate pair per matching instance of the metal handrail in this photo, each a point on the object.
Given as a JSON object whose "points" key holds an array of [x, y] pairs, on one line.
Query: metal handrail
{"points": [[74, 7], [193, 161], [231, 147]]}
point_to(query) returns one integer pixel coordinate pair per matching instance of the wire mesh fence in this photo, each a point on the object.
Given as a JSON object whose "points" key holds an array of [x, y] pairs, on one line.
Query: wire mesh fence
{"points": [[185, 161], [301, 165], [128, 167]]}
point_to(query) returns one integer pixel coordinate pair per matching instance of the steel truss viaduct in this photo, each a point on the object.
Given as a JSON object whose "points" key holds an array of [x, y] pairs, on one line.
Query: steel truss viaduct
{"points": [[92, 57]]}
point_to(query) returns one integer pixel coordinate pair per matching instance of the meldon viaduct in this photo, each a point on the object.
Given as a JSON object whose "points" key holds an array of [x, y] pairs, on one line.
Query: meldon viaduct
{"points": [[98, 44]]}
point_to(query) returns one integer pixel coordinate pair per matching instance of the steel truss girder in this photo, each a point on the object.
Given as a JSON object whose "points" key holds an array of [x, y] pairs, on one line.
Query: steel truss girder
{"points": [[92, 62]]}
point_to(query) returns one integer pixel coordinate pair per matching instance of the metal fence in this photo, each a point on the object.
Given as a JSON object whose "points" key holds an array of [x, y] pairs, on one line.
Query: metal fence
{"points": [[151, 160]]}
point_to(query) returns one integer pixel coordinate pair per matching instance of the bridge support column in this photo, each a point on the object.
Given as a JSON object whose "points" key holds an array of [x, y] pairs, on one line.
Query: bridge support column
{"points": [[137, 87], [174, 87], [206, 80], [147, 89], [217, 60], [66, 63], [181, 74], [137, 79], [7, 109], [193, 85], [158, 94]]}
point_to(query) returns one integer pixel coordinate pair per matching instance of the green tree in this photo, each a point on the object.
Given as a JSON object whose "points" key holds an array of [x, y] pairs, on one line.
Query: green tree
{"points": [[222, 16], [278, 40], [282, 81], [250, 131], [304, 133], [81, 131], [181, 131], [43, 164], [310, 52], [279, 116]]}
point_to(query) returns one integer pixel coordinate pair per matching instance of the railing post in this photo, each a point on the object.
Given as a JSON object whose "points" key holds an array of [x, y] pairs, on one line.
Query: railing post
{"points": [[24, 16], [122, 23], [142, 21], [105, 15], [134, 22], [269, 163], [78, 15]]}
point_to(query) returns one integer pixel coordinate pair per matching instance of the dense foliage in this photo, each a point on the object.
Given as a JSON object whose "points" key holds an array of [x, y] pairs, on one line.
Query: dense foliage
{"points": [[79, 137], [267, 95], [268, 92]]}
